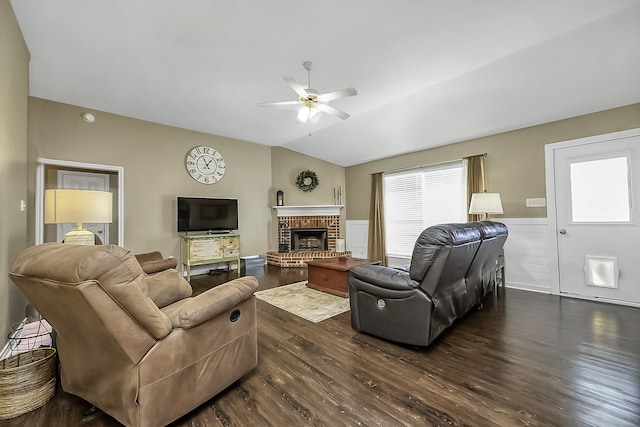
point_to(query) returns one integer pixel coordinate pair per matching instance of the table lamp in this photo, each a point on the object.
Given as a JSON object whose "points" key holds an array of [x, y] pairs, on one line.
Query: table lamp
{"points": [[77, 206], [485, 204]]}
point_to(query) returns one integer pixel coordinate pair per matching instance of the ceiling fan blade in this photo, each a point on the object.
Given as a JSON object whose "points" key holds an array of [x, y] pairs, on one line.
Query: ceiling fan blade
{"points": [[297, 87], [332, 110], [326, 97], [281, 104]]}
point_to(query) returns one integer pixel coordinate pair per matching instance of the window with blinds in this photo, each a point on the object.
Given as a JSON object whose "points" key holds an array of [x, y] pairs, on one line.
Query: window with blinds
{"points": [[418, 198]]}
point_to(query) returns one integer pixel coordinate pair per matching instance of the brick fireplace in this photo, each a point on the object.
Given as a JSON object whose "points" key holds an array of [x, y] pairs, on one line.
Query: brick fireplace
{"points": [[316, 229]]}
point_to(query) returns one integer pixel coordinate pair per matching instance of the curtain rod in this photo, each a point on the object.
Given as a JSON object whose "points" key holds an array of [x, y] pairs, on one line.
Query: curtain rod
{"points": [[428, 165]]}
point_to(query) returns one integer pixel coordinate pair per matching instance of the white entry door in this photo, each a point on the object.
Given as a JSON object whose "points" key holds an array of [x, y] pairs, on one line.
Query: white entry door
{"points": [[597, 191], [84, 181]]}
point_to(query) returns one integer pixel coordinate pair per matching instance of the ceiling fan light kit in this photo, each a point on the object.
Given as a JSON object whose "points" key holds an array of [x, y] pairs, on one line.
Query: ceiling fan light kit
{"points": [[308, 112], [310, 101]]}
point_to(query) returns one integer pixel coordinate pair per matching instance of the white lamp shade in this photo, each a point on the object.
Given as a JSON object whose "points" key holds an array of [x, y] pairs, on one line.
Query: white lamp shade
{"points": [[488, 203], [75, 206]]}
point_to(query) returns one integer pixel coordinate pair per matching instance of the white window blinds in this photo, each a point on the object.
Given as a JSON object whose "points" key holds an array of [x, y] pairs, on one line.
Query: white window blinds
{"points": [[418, 198]]}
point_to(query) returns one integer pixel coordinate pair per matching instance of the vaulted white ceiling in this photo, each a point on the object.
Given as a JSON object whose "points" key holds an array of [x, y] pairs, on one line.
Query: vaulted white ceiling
{"points": [[428, 72]]}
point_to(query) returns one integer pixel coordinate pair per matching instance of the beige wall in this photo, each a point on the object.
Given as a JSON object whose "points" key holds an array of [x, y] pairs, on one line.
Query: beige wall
{"points": [[153, 158], [154, 173], [14, 90], [514, 163], [285, 167]]}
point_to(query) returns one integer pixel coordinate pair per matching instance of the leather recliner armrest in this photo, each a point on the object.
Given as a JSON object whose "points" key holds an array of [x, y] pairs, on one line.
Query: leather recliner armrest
{"points": [[191, 312], [384, 277]]}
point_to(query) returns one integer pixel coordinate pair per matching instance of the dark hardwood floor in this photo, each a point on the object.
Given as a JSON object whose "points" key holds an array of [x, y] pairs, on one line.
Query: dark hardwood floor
{"points": [[526, 359]]}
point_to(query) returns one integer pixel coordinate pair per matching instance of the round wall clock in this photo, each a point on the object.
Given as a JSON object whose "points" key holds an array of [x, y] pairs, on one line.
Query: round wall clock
{"points": [[205, 165]]}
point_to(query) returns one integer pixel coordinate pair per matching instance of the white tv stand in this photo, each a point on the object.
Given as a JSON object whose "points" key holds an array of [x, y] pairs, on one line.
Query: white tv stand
{"points": [[201, 249]]}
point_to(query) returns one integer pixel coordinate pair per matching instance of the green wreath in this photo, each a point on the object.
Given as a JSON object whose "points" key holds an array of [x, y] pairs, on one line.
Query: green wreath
{"points": [[307, 180]]}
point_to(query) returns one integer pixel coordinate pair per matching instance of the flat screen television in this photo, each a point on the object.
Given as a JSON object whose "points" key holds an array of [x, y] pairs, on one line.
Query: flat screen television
{"points": [[199, 214]]}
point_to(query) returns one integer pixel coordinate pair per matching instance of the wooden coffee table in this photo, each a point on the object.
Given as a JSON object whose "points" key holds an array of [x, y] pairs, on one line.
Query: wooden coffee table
{"points": [[332, 274]]}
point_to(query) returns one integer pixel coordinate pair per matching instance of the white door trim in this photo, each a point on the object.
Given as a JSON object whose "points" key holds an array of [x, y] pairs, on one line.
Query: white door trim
{"points": [[549, 155], [40, 187]]}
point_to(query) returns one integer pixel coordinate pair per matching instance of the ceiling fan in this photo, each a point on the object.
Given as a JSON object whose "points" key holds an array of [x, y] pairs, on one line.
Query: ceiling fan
{"points": [[310, 101]]}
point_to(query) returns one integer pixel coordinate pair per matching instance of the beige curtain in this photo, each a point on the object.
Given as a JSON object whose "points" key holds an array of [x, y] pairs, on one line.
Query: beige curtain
{"points": [[376, 248], [475, 181]]}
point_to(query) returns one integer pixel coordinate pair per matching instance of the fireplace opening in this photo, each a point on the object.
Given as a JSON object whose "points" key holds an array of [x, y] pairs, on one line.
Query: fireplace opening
{"points": [[309, 239]]}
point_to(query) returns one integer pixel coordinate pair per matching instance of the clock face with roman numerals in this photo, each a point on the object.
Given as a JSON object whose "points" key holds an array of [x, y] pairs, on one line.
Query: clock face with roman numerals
{"points": [[205, 165]]}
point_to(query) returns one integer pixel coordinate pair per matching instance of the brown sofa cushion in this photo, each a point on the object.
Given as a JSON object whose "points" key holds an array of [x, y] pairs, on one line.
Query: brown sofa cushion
{"points": [[153, 262], [167, 287]]}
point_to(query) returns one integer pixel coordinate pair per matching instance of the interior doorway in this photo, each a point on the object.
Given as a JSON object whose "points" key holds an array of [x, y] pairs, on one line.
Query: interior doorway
{"points": [[593, 188], [47, 168]]}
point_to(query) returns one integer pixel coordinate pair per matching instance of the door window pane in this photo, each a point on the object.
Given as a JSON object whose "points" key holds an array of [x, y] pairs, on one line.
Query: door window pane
{"points": [[600, 190]]}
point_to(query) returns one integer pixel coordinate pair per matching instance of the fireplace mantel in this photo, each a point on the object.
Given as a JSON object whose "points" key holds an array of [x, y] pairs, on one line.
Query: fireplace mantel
{"points": [[309, 210]]}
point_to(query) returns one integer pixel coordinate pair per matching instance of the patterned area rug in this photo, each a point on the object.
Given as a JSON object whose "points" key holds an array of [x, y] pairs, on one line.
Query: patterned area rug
{"points": [[310, 304]]}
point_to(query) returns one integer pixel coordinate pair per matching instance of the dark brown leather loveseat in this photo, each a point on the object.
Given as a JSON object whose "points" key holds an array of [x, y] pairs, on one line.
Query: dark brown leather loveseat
{"points": [[452, 269]]}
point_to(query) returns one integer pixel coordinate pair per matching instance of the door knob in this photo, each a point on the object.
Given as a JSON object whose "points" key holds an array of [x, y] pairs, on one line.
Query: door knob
{"points": [[563, 231]]}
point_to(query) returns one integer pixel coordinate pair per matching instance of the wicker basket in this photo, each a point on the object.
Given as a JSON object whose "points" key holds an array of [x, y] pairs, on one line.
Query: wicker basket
{"points": [[27, 381]]}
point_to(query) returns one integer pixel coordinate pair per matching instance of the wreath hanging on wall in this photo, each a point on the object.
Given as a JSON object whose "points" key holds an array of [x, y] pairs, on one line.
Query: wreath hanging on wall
{"points": [[307, 180]]}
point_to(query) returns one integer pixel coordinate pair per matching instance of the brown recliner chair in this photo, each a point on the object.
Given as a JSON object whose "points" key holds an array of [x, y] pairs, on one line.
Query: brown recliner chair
{"points": [[142, 364]]}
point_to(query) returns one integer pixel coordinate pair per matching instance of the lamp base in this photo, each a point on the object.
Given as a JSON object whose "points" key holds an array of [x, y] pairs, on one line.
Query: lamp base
{"points": [[80, 236]]}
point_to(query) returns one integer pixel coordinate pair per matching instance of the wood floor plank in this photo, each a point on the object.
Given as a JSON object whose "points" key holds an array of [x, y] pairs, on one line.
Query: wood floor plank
{"points": [[525, 359]]}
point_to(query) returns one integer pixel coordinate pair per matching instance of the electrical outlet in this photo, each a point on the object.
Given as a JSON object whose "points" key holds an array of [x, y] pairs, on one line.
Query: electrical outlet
{"points": [[23, 206], [536, 203]]}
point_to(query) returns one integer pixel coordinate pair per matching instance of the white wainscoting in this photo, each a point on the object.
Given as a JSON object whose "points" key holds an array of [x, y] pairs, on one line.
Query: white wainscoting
{"points": [[527, 254], [357, 237]]}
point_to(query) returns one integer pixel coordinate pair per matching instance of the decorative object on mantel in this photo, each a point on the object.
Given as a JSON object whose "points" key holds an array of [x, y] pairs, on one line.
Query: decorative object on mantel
{"points": [[307, 180], [337, 195], [280, 198]]}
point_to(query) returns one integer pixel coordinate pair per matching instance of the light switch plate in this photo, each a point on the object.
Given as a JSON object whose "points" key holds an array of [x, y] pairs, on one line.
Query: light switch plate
{"points": [[536, 203]]}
